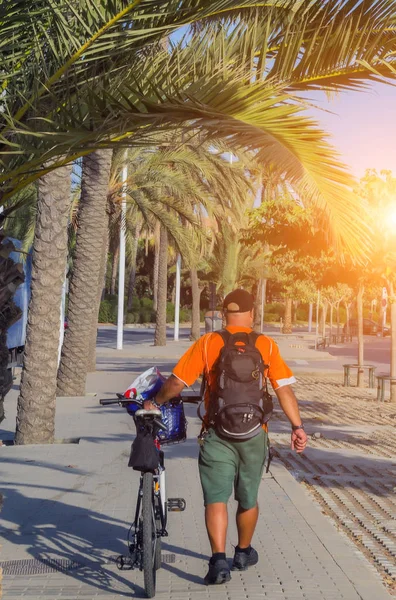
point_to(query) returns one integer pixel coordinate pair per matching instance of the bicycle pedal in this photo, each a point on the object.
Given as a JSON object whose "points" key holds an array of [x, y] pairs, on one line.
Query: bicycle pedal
{"points": [[176, 504], [124, 563]]}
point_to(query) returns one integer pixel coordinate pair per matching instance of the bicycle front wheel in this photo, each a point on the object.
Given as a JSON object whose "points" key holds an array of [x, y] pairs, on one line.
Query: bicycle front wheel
{"points": [[149, 535]]}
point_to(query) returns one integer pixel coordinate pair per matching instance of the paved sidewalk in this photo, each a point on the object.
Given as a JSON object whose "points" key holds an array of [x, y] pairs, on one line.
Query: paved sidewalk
{"points": [[74, 503]]}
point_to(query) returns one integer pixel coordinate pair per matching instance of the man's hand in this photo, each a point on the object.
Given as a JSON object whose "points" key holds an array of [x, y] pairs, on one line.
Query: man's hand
{"points": [[298, 440], [148, 405]]}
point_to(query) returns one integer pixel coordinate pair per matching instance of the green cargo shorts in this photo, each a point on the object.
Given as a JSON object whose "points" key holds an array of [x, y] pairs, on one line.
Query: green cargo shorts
{"points": [[224, 464]]}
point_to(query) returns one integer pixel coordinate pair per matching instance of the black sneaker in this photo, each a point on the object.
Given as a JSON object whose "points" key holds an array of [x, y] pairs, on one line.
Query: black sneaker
{"points": [[219, 572], [243, 560]]}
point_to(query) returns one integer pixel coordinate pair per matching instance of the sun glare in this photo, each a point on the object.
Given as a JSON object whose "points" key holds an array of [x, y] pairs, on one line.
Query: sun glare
{"points": [[390, 217]]}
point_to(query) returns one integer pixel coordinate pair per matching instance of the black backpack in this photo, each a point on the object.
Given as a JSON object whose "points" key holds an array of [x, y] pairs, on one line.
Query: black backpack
{"points": [[240, 403]]}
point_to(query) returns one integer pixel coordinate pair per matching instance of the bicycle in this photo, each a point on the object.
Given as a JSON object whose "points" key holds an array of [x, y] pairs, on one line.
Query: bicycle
{"points": [[149, 525]]}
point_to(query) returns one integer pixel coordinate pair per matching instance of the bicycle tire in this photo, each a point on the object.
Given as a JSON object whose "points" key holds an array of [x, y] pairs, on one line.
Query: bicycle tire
{"points": [[148, 536]]}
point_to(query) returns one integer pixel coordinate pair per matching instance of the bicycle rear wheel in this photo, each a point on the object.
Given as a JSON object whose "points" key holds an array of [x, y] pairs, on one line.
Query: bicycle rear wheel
{"points": [[149, 536]]}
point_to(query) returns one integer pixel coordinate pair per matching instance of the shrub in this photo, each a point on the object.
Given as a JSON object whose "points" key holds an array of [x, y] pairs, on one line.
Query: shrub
{"points": [[170, 312], [135, 305], [302, 312], [130, 318], [146, 302], [185, 315], [270, 317], [276, 308], [107, 312]]}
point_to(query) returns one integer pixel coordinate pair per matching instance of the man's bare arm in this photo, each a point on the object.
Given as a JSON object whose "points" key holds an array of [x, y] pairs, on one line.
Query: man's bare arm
{"points": [[171, 388], [289, 404]]}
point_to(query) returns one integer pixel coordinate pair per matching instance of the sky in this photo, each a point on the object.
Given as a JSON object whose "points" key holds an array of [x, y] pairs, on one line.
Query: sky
{"points": [[362, 126]]}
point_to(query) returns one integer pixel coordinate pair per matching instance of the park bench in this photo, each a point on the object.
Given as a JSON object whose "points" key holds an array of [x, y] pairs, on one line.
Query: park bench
{"points": [[361, 368], [340, 338], [322, 342], [381, 381]]}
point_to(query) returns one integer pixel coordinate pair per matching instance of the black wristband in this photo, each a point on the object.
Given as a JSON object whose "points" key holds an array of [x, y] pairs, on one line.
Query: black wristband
{"points": [[295, 427]]}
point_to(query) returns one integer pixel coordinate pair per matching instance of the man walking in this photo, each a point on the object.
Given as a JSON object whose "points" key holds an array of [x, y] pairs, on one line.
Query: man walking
{"points": [[235, 364]]}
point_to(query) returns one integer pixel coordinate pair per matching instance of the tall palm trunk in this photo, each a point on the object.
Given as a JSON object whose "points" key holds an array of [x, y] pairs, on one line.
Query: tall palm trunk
{"points": [[359, 300], [155, 272], [257, 307], [91, 362], [132, 275], [196, 292], [331, 320], [84, 283], [36, 403], [287, 325], [324, 317], [114, 270], [347, 315], [160, 327]]}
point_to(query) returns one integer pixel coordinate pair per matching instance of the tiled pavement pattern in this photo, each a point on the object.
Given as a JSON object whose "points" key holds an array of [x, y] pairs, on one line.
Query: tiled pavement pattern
{"points": [[350, 469], [75, 501]]}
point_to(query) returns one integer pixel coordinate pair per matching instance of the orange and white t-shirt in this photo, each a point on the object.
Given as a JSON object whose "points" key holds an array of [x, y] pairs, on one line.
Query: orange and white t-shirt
{"points": [[202, 355]]}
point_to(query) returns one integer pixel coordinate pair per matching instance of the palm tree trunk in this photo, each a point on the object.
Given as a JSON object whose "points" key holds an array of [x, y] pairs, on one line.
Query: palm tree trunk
{"points": [[36, 403], [257, 307], [160, 327], [324, 318], [91, 362], [347, 305], [359, 300], [114, 270], [155, 274], [84, 283], [287, 324], [196, 292], [132, 275]]}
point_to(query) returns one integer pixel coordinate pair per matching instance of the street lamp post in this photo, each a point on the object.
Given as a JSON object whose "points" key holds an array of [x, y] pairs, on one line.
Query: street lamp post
{"points": [[121, 272]]}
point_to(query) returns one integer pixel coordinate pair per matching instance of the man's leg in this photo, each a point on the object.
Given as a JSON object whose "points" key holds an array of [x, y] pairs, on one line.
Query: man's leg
{"points": [[246, 520], [251, 461], [216, 518], [217, 469]]}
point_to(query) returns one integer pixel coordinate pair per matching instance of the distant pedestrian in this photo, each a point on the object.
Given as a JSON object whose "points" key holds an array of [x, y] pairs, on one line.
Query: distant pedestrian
{"points": [[235, 363]]}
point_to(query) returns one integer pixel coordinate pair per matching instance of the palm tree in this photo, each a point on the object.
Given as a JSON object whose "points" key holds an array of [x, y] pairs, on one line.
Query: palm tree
{"points": [[160, 329], [86, 271], [36, 401]]}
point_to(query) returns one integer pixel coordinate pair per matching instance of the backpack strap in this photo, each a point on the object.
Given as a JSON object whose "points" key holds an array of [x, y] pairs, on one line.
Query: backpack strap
{"points": [[225, 335], [253, 337]]}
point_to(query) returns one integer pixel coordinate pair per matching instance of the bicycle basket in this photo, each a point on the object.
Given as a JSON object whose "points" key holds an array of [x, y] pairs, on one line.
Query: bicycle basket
{"points": [[174, 419]]}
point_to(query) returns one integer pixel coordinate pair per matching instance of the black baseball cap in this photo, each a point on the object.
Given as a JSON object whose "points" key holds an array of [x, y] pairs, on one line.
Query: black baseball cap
{"points": [[238, 301]]}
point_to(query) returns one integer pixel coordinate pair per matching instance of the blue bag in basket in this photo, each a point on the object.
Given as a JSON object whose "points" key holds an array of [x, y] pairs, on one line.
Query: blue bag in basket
{"points": [[146, 387], [174, 419]]}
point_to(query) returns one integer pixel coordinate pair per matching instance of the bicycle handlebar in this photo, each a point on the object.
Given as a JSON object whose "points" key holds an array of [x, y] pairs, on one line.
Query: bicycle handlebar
{"points": [[121, 401]]}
